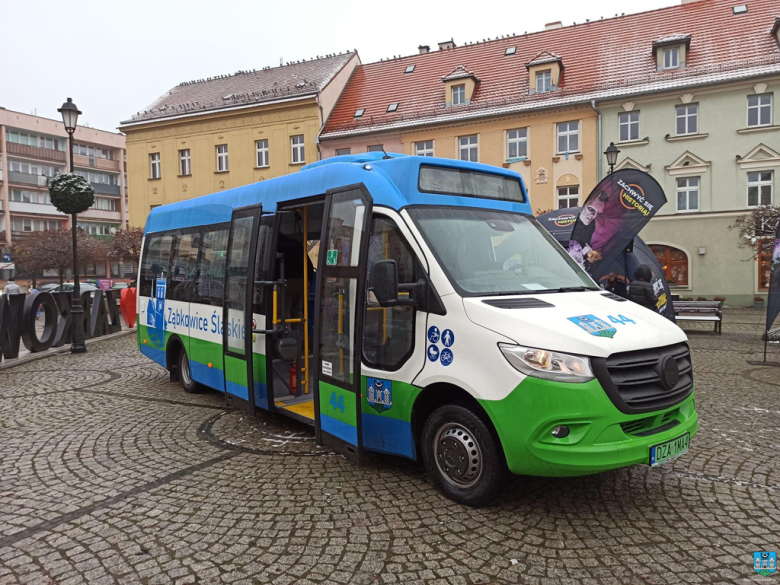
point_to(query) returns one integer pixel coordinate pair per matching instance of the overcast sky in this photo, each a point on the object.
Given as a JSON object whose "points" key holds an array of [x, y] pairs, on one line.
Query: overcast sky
{"points": [[115, 58]]}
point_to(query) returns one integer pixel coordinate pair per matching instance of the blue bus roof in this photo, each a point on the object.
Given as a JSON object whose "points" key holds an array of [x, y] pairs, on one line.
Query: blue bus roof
{"points": [[391, 181]]}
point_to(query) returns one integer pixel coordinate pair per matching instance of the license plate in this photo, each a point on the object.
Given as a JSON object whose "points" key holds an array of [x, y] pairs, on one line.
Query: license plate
{"points": [[669, 450]]}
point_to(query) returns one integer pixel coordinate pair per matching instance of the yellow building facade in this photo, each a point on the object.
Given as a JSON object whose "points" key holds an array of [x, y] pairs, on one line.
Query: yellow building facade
{"points": [[179, 149]]}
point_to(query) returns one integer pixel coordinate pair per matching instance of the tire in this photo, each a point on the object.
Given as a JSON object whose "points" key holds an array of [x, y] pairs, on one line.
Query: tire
{"points": [[185, 374], [451, 433]]}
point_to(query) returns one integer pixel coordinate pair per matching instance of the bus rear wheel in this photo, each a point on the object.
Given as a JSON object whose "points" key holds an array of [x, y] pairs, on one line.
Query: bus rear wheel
{"points": [[185, 373], [461, 455]]}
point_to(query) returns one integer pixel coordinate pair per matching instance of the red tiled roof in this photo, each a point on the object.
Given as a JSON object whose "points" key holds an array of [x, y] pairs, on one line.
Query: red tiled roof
{"points": [[542, 58], [245, 88], [604, 58], [460, 72]]}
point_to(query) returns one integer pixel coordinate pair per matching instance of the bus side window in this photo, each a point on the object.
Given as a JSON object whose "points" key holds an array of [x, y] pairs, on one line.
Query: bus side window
{"points": [[211, 275], [388, 332], [156, 261], [180, 285]]}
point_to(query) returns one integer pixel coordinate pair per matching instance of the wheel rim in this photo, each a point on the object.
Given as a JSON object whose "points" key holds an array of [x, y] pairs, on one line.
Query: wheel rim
{"points": [[185, 371], [458, 455]]}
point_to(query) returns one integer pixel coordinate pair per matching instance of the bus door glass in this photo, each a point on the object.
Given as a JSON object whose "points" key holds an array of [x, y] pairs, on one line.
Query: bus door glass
{"points": [[237, 314], [340, 290]]}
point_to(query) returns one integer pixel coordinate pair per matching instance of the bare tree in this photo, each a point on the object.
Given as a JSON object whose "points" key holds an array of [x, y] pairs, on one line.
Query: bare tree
{"points": [[53, 250], [757, 229]]}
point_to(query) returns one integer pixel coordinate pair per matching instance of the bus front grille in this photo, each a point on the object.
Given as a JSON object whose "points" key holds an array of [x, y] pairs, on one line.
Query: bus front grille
{"points": [[633, 379]]}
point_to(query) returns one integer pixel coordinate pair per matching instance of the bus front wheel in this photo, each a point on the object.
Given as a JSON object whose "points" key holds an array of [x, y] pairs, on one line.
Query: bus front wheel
{"points": [[461, 455], [185, 373]]}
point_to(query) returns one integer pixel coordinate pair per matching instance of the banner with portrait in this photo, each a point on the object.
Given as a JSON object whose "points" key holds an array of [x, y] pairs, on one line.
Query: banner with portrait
{"points": [[773, 302], [612, 215]]}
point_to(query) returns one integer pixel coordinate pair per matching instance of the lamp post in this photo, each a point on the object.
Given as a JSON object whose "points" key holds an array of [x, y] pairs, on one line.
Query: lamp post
{"points": [[70, 115], [612, 153]]}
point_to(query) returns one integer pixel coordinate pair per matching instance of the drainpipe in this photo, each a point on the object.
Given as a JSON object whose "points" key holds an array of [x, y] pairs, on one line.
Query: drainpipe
{"points": [[598, 148]]}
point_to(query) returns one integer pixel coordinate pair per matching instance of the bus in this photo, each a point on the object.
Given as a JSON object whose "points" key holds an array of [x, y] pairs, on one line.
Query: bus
{"points": [[412, 306]]}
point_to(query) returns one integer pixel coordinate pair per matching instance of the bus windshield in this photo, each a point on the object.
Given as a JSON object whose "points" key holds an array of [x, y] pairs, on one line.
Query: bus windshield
{"points": [[488, 252]]}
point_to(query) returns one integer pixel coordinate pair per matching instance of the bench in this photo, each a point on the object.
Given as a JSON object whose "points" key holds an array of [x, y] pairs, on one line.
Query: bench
{"points": [[700, 311]]}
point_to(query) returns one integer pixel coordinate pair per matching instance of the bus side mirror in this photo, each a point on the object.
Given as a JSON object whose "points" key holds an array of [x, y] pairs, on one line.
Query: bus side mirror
{"points": [[383, 282]]}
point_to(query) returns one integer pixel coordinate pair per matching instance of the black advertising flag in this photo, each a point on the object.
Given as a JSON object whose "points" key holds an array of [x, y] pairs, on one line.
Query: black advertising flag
{"points": [[612, 215], [773, 302]]}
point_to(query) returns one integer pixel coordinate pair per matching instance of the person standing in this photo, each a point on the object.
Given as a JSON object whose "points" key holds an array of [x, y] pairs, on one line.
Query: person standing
{"points": [[12, 288], [615, 285], [640, 290]]}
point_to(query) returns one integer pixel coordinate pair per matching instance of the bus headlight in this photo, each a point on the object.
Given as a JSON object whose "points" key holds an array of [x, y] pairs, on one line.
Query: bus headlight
{"points": [[547, 365]]}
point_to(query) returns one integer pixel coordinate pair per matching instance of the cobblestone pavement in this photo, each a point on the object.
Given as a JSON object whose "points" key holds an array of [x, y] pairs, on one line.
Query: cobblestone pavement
{"points": [[111, 474]]}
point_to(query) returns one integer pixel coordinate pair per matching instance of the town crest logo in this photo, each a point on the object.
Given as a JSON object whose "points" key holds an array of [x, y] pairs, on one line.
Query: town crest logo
{"points": [[380, 394]]}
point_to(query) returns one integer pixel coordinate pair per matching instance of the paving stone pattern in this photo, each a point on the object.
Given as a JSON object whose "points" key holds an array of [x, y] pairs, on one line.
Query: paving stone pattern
{"points": [[109, 473]]}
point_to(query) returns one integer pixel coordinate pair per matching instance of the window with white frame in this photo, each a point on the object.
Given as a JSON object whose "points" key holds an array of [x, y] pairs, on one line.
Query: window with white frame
{"points": [[222, 158], [154, 165], [543, 81], [184, 162], [517, 143], [568, 197], [629, 126], [568, 137], [375, 148], [468, 150], [261, 147], [760, 188], [343, 151], [688, 194], [687, 119], [424, 148], [760, 110], [672, 58], [298, 156], [458, 95]]}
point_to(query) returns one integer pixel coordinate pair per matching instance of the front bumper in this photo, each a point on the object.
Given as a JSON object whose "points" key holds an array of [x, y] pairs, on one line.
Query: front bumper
{"points": [[601, 438]]}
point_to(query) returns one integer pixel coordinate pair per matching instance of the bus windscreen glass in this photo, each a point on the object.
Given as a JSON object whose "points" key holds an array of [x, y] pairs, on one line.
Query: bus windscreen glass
{"points": [[451, 181]]}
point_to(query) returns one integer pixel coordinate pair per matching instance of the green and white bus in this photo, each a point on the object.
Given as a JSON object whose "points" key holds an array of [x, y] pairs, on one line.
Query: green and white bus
{"points": [[412, 306]]}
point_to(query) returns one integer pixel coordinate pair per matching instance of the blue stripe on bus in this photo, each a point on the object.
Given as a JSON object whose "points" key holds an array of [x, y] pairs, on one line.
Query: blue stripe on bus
{"points": [[237, 390], [338, 429], [261, 395], [155, 354], [211, 377], [388, 435]]}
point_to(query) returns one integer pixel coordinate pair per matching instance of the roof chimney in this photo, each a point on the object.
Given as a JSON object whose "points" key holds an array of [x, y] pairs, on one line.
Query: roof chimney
{"points": [[552, 25], [424, 49], [447, 45]]}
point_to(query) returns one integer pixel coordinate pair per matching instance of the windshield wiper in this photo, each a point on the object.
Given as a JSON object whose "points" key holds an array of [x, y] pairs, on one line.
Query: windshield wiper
{"points": [[574, 289]]}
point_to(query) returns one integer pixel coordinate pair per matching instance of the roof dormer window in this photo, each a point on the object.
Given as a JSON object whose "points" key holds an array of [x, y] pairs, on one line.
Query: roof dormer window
{"points": [[671, 52], [544, 72], [543, 81], [459, 86], [359, 112], [392, 107]]}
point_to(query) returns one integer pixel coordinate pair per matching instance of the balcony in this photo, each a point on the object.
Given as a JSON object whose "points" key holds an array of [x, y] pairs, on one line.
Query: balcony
{"points": [[36, 208], [102, 214], [104, 189], [35, 152], [93, 162], [27, 179]]}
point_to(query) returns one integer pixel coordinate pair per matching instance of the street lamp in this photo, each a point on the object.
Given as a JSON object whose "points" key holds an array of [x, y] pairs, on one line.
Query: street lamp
{"points": [[70, 116], [612, 153]]}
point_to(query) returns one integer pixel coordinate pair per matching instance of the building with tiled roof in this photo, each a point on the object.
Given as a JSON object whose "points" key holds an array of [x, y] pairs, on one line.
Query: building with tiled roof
{"points": [[686, 92], [206, 135]]}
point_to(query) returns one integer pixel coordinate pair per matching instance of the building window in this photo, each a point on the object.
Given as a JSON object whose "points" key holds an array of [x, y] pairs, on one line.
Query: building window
{"points": [[687, 119], [184, 162], [760, 188], [261, 146], [375, 148], [409, 69], [154, 165], [343, 151], [543, 81], [672, 58], [674, 263], [517, 143], [424, 148], [359, 112], [760, 110], [568, 197], [468, 148], [629, 126], [458, 95], [568, 137], [297, 149], [393, 107], [222, 158], [688, 194]]}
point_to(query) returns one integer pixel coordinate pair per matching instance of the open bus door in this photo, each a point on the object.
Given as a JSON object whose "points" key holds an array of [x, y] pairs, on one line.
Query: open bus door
{"points": [[340, 293], [237, 334]]}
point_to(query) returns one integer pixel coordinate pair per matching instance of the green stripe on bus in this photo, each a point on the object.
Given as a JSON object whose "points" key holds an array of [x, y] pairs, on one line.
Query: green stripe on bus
{"points": [[338, 403]]}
